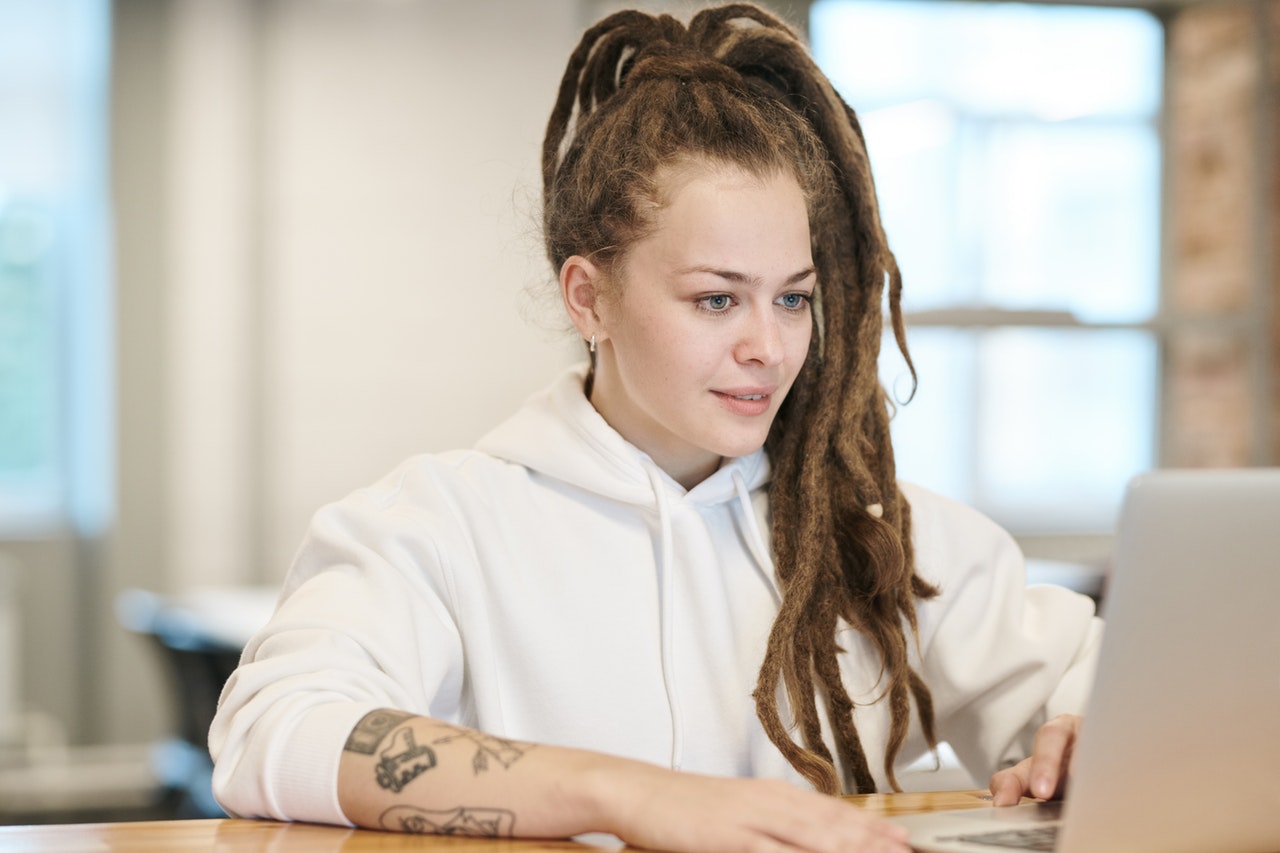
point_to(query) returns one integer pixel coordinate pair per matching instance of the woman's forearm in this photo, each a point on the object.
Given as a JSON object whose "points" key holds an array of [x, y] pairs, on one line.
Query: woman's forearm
{"points": [[415, 774]]}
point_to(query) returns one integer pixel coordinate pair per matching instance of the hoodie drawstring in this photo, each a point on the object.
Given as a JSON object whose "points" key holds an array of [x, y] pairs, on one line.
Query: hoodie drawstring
{"points": [[667, 593], [762, 560], [755, 538]]}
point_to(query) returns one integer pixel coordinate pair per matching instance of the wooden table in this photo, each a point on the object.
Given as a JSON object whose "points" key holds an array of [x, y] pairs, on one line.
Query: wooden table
{"points": [[257, 836]]}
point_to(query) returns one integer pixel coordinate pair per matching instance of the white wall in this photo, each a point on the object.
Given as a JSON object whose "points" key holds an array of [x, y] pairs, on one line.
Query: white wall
{"points": [[327, 212], [360, 220]]}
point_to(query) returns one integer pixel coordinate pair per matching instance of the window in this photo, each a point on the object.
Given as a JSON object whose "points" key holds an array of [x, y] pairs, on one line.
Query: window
{"points": [[1017, 159], [54, 411]]}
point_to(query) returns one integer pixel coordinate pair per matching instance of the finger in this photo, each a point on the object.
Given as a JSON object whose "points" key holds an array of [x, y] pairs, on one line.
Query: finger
{"points": [[1008, 785], [1050, 755]]}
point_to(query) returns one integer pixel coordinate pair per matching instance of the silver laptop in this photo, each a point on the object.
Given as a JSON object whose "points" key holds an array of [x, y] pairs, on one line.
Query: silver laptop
{"points": [[1180, 749]]}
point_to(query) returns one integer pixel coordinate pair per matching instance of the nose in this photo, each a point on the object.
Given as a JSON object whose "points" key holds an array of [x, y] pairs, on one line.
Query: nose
{"points": [[760, 340]]}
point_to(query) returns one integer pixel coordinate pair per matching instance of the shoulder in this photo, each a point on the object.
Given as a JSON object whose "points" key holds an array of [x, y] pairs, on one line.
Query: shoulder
{"points": [[433, 480], [976, 564], [948, 535], [428, 506]]}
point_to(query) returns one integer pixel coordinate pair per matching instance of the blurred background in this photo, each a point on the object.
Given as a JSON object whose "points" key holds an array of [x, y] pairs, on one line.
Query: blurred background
{"points": [[255, 252]]}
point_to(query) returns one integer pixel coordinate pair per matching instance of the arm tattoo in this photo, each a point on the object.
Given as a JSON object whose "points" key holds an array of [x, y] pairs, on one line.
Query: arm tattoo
{"points": [[370, 731], [489, 748], [403, 761], [484, 823]]}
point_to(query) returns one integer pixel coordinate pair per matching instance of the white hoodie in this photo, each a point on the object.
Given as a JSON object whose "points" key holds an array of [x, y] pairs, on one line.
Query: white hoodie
{"points": [[553, 585]]}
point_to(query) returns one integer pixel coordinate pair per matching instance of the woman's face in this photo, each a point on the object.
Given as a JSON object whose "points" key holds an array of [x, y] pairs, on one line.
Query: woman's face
{"points": [[710, 321]]}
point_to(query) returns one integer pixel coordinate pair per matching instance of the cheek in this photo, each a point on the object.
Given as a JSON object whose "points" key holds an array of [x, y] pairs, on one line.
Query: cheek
{"points": [[798, 344], [658, 355], [682, 347]]}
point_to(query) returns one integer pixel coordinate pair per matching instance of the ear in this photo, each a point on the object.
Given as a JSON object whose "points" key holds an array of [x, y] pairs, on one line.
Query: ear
{"points": [[580, 281]]}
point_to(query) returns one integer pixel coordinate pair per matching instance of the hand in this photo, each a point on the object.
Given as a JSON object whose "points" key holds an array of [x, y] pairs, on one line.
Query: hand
{"points": [[687, 812], [1044, 774]]}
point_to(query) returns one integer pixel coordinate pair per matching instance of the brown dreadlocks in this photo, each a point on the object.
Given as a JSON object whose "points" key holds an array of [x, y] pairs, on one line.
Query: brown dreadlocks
{"points": [[737, 86]]}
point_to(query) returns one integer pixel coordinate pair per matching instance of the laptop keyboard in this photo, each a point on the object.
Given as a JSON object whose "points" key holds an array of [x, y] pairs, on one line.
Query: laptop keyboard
{"points": [[1034, 838]]}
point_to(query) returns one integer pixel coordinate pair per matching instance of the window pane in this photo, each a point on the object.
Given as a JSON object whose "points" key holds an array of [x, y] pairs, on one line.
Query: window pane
{"points": [[1061, 217], [30, 428], [1040, 428], [1071, 408], [935, 432], [918, 152], [1051, 62], [55, 434], [1071, 220]]}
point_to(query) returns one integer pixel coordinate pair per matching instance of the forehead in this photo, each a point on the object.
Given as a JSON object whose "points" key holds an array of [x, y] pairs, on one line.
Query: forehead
{"points": [[671, 178], [727, 215]]}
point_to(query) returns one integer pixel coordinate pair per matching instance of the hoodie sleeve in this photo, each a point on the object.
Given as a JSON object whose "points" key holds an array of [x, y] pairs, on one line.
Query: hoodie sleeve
{"points": [[363, 622], [1000, 657]]}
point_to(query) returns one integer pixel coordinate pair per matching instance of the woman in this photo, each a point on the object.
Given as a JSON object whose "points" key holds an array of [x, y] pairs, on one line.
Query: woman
{"points": [[679, 595]]}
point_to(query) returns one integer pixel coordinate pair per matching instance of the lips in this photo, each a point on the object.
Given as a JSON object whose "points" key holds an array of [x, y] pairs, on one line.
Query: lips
{"points": [[745, 401], [747, 391]]}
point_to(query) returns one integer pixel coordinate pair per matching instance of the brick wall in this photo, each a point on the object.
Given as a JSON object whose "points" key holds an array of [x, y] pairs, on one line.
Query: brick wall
{"points": [[1222, 380]]}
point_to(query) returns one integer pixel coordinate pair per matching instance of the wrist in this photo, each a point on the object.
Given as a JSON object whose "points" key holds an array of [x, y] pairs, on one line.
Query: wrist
{"points": [[605, 791]]}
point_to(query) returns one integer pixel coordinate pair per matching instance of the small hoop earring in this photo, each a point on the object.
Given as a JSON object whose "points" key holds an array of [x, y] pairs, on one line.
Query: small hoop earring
{"points": [[591, 345]]}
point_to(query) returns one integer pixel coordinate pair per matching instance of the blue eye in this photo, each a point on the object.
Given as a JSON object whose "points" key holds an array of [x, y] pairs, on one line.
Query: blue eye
{"points": [[793, 301], [716, 302]]}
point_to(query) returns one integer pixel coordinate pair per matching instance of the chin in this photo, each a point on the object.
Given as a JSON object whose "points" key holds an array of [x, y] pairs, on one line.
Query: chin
{"points": [[741, 448]]}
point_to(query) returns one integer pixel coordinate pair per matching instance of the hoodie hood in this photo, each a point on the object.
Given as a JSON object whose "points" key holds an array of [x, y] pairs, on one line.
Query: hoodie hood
{"points": [[561, 417]]}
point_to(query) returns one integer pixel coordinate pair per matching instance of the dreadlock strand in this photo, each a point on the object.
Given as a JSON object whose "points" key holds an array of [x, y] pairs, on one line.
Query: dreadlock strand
{"points": [[818, 772], [804, 700], [802, 588], [900, 327], [570, 86], [840, 714], [924, 708], [899, 719]]}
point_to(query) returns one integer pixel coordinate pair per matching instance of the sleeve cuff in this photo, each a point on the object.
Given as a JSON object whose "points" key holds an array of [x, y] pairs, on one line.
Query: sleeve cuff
{"points": [[307, 774]]}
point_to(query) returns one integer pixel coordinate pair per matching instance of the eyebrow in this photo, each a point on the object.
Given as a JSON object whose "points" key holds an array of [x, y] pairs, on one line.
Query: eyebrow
{"points": [[743, 278]]}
